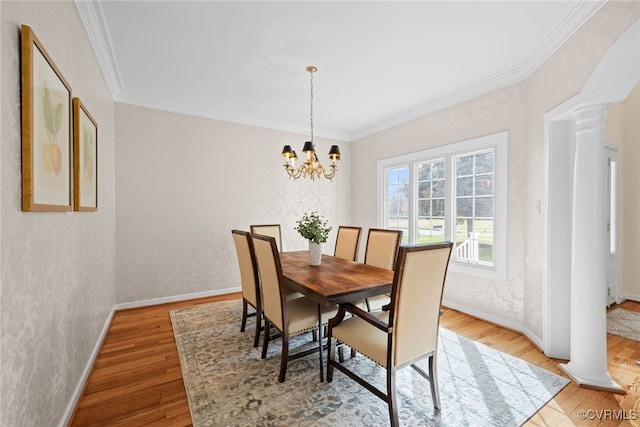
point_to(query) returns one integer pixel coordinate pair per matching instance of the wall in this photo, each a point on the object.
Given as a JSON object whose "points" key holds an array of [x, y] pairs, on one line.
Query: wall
{"points": [[519, 109], [623, 128], [183, 183], [57, 269]]}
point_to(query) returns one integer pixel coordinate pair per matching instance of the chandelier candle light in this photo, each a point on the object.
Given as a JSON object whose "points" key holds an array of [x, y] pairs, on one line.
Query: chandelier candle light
{"points": [[311, 167]]}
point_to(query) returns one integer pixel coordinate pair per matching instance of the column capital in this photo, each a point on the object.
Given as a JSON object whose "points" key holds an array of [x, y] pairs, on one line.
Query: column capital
{"points": [[589, 118]]}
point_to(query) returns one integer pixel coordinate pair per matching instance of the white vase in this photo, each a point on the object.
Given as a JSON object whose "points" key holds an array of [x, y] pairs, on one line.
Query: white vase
{"points": [[315, 253]]}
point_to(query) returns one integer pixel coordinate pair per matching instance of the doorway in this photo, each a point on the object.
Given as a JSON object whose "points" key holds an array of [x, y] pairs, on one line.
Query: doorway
{"points": [[611, 82], [613, 172]]}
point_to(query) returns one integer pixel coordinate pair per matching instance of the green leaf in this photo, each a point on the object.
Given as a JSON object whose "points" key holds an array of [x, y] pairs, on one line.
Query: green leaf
{"points": [[47, 111], [57, 119]]}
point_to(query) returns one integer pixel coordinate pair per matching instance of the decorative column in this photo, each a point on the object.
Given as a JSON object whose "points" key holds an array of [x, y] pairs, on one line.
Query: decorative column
{"points": [[589, 260]]}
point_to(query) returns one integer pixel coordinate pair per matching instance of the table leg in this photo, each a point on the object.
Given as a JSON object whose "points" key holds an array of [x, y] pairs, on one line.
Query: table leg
{"points": [[320, 341]]}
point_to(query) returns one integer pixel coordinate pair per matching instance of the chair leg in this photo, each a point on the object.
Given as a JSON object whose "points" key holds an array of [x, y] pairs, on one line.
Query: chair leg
{"points": [[330, 356], [265, 342], [341, 353], [433, 380], [256, 339], [284, 358], [244, 316], [391, 396]]}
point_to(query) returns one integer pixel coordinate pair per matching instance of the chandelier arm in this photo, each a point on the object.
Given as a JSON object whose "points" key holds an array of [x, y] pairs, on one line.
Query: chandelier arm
{"points": [[331, 174]]}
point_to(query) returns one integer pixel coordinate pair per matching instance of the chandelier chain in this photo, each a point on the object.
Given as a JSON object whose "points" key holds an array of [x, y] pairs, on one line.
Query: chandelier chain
{"points": [[311, 73]]}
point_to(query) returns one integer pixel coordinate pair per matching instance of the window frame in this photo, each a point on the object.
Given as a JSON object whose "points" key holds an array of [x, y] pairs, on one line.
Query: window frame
{"points": [[499, 143]]}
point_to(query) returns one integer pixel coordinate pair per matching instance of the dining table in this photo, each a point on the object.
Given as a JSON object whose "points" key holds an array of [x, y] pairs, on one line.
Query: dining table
{"points": [[334, 281]]}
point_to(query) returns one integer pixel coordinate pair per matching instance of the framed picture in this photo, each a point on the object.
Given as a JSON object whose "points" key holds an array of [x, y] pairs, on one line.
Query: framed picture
{"points": [[85, 159], [46, 130]]}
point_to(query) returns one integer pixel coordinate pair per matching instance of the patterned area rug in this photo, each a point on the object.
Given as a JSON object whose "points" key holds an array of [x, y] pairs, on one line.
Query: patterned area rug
{"points": [[624, 323], [228, 384]]}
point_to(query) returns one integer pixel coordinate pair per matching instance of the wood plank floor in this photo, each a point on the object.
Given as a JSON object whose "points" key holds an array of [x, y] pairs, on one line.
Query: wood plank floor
{"points": [[136, 379]]}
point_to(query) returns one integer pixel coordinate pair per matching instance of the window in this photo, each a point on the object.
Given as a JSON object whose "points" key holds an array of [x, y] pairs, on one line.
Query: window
{"points": [[456, 192], [431, 201], [397, 198]]}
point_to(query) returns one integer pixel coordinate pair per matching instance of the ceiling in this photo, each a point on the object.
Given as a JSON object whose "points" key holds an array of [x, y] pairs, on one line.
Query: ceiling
{"points": [[379, 63]]}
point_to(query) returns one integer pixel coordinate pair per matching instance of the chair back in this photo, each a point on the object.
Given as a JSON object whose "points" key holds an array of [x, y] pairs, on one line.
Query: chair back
{"points": [[382, 248], [273, 303], [347, 242], [249, 277], [415, 300], [272, 230]]}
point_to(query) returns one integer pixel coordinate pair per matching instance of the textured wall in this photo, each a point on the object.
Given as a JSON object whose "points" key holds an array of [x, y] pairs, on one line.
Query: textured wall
{"points": [[519, 109], [183, 183], [57, 269], [560, 78]]}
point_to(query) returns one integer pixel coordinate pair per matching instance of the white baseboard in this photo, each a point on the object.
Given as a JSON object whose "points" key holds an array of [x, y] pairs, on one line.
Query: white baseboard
{"points": [[175, 298], [497, 320], [77, 394], [625, 297]]}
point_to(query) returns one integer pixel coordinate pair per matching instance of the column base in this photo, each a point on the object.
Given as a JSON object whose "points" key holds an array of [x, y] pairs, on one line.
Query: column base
{"points": [[602, 385]]}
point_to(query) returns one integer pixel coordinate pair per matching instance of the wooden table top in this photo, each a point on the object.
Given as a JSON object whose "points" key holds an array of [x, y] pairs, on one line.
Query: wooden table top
{"points": [[335, 280]]}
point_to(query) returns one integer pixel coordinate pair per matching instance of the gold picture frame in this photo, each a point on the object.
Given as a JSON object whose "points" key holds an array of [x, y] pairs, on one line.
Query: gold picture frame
{"points": [[85, 159], [46, 130]]}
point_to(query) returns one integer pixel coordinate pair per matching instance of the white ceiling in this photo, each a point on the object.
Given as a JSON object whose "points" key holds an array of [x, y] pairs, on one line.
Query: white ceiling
{"points": [[379, 63]]}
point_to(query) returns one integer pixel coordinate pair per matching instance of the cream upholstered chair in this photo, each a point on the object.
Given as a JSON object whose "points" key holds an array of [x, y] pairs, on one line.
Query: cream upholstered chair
{"points": [[347, 242], [405, 334], [289, 316], [381, 251], [249, 279], [272, 230]]}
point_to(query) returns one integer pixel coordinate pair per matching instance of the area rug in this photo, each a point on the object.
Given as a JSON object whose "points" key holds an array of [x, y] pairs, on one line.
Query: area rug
{"points": [[624, 323], [228, 384]]}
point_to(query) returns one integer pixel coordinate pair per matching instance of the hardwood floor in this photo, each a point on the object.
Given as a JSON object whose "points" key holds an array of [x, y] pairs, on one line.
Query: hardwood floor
{"points": [[136, 379]]}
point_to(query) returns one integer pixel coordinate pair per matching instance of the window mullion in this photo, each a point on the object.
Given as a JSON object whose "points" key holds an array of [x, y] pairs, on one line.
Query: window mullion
{"points": [[449, 195]]}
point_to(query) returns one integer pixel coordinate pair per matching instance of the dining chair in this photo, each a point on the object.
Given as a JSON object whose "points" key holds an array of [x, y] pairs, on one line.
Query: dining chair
{"points": [[272, 230], [249, 280], [289, 316], [381, 251], [407, 332], [347, 242]]}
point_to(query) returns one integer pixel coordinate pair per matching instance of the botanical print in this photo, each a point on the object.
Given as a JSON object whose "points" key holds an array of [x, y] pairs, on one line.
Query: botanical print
{"points": [[50, 134]]}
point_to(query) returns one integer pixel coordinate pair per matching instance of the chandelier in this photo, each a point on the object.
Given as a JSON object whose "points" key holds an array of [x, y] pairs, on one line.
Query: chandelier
{"points": [[311, 168]]}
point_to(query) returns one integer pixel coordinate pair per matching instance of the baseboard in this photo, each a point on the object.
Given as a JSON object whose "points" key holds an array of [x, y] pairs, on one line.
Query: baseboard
{"points": [[625, 297], [80, 387], [528, 334], [175, 298]]}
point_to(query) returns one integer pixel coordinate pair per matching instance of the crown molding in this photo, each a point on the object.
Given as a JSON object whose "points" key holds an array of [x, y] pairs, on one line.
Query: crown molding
{"points": [[564, 28], [140, 100], [92, 18]]}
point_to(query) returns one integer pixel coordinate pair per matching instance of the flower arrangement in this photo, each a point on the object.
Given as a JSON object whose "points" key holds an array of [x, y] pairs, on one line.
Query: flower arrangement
{"points": [[313, 228]]}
